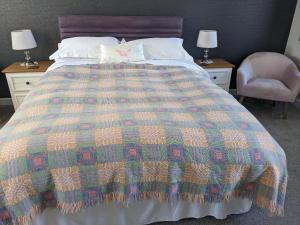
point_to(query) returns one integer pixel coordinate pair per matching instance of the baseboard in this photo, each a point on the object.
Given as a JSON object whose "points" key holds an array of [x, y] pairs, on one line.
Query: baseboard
{"points": [[5, 101]]}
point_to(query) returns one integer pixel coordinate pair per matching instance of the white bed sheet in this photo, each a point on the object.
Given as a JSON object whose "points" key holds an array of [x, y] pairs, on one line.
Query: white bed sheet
{"points": [[143, 212], [81, 61]]}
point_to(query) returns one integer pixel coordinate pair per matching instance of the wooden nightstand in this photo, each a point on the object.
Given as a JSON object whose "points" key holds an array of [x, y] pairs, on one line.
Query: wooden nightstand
{"points": [[21, 80], [219, 71]]}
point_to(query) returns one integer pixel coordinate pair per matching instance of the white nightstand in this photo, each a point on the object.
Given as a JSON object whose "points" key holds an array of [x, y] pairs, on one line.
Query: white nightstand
{"points": [[219, 71], [21, 80]]}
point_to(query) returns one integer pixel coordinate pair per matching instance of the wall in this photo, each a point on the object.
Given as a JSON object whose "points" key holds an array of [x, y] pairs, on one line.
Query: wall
{"points": [[244, 26], [293, 45]]}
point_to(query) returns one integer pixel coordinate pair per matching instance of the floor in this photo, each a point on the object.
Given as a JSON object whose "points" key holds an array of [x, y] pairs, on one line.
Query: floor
{"points": [[287, 133], [5, 114]]}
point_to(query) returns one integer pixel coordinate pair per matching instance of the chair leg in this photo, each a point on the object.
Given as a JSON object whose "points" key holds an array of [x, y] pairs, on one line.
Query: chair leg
{"points": [[242, 98], [285, 110]]}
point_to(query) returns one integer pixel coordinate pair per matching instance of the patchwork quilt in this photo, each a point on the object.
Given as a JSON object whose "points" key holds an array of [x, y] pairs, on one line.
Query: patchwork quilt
{"points": [[97, 133]]}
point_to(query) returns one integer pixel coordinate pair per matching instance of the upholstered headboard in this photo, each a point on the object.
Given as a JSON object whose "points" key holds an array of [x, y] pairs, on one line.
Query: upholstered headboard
{"points": [[129, 27]]}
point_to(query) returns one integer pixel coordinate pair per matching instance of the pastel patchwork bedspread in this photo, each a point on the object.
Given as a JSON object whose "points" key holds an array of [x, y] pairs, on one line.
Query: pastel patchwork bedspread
{"points": [[92, 134]]}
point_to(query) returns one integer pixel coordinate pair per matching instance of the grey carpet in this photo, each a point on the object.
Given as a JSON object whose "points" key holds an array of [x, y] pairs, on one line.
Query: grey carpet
{"points": [[5, 114], [287, 133]]}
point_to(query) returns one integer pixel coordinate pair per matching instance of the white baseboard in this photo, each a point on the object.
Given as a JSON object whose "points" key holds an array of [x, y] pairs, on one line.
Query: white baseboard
{"points": [[5, 101]]}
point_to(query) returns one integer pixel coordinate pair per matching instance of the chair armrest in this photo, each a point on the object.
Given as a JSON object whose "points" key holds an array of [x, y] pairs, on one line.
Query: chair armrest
{"points": [[292, 80], [244, 74]]}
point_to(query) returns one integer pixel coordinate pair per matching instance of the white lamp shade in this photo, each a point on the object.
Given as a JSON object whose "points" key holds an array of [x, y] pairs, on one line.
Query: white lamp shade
{"points": [[22, 40], [207, 39]]}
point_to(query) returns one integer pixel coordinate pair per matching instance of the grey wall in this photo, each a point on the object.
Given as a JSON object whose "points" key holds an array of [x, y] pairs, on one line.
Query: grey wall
{"points": [[244, 26], [293, 44]]}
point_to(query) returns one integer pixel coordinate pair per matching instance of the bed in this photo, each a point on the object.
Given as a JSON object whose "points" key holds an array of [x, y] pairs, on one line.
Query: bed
{"points": [[134, 143]]}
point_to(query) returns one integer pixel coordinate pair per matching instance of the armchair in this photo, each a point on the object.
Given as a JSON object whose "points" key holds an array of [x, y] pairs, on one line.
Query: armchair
{"points": [[268, 75]]}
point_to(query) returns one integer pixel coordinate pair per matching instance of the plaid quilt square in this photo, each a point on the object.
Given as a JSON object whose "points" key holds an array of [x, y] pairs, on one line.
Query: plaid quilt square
{"points": [[18, 188], [217, 116], [71, 108], [236, 173], [247, 117], [173, 105], [152, 135], [67, 121], [138, 95], [204, 102], [89, 177], [38, 161], [266, 178], [108, 136], [14, 149], [194, 137], [183, 117], [66, 179], [61, 141], [145, 116], [110, 117], [155, 172], [186, 84], [25, 127], [36, 110], [196, 173], [265, 141], [111, 173], [87, 156], [234, 139]]}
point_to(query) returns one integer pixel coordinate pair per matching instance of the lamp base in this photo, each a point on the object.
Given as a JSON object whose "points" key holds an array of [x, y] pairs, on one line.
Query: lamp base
{"points": [[30, 64], [206, 61]]}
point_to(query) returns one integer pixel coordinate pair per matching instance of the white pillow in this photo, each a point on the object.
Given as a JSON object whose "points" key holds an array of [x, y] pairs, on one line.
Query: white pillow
{"points": [[82, 47], [163, 48], [121, 53]]}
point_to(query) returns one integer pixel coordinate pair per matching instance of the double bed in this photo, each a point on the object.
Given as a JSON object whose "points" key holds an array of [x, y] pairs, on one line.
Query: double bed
{"points": [[134, 143]]}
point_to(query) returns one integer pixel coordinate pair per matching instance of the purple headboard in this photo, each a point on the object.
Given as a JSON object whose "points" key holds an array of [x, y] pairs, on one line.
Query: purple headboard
{"points": [[129, 27]]}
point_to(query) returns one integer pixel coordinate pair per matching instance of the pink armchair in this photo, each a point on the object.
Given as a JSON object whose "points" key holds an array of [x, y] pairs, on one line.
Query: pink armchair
{"points": [[268, 75]]}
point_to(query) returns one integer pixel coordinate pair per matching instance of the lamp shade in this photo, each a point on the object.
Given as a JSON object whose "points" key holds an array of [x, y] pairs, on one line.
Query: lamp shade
{"points": [[22, 40], [207, 39]]}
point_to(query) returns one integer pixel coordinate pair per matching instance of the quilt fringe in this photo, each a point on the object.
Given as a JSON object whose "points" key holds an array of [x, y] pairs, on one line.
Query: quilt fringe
{"points": [[71, 208], [27, 219]]}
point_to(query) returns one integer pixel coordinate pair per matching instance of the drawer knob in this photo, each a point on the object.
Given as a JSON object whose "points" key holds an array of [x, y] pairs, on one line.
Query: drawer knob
{"points": [[214, 77], [27, 83]]}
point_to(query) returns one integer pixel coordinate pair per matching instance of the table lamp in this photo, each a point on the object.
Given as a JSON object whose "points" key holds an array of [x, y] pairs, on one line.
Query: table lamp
{"points": [[24, 40], [207, 39]]}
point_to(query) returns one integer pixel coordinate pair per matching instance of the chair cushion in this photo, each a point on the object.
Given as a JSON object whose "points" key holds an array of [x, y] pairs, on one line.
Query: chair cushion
{"points": [[270, 89]]}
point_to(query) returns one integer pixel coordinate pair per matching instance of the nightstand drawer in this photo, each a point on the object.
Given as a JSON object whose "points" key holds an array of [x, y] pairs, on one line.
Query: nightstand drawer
{"points": [[219, 77], [24, 82]]}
